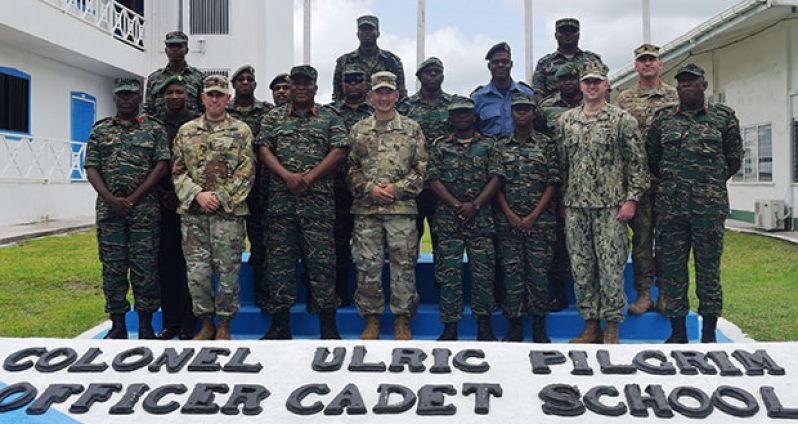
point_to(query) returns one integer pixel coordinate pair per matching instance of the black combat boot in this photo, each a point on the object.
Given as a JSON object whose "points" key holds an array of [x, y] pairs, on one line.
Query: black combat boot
{"points": [[708, 327], [516, 331], [118, 328], [145, 326], [280, 329], [449, 332], [559, 298], [678, 331], [328, 327], [485, 329], [539, 334]]}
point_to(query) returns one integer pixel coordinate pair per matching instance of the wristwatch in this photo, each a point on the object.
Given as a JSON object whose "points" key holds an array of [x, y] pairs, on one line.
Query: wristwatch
{"points": [[477, 206]]}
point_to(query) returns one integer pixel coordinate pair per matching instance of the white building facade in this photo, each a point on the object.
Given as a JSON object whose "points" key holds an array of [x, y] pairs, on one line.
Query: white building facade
{"points": [[58, 59], [750, 56]]}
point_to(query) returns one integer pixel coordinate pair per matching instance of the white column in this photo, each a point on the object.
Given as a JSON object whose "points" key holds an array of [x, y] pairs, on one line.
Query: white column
{"points": [[528, 61], [306, 33], [421, 10], [646, 21]]}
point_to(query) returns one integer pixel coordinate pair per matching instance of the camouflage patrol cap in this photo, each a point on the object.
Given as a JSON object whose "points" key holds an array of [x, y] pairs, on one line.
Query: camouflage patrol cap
{"points": [[354, 69], [305, 70], [167, 82], [500, 47], [279, 79], [568, 70], [690, 68], [647, 50], [594, 70], [369, 20], [383, 79], [460, 103], [567, 22], [217, 83], [523, 99], [242, 69], [127, 84], [429, 62], [176, 37]]}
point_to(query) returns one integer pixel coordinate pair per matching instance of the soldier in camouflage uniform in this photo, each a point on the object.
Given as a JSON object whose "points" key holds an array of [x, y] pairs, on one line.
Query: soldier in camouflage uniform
{"points": [[213, 170], [642, 101], [354, 107], [281, 89], [693, 149], [176, 50], [604, 173], [544, 79], [301, 143], [370, 57], [125, 157], [459, 175], [245, 107], [387, 162], [178, 318], [525, 222], [551, 108]]}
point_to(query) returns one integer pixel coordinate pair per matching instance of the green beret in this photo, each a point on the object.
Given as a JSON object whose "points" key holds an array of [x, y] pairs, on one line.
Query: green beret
{"points": [[569, 69], [500, 47], [244, 68], [429, 62], [173, 79], [280, 79]]}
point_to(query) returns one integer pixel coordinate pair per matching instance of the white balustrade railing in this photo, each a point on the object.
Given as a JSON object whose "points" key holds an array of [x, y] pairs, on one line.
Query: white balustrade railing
{"points": [[107, 15], [34, 159]]}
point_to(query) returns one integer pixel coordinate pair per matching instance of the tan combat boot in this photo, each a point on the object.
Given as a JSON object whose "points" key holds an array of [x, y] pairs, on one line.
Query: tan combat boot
{"points": [[401, 328], [611, 333], [371, 329], [642, 304], [208, 331], [223, 330], [591, 333]]}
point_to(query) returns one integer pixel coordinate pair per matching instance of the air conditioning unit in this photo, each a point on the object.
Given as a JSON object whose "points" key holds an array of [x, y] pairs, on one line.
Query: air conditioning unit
{"points": [[770, 215]]}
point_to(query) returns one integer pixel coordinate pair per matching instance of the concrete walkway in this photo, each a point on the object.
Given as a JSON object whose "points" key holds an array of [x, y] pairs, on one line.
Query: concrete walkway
{"points": [[13, 233], [746, 227]]}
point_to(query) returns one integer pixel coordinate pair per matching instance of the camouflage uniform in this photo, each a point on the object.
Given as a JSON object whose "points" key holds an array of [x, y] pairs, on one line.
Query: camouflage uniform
{"points": [[301, 226], [252, 116], [527, 168], [693, 154], [462, 166], [192, 80], [602, 164], [124, 153], [384, 61], [642, 103], [218, 159], [394, 153], [544, 80]]}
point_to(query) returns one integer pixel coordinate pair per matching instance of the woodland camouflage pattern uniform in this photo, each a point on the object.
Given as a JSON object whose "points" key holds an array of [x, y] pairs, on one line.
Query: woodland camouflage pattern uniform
{"points": [[642, 103], [301, 226], [124, 152], [693, 154], [462, 166], [527, 167], [393, 153], [219, 159], [154, 104], [603, 164]]}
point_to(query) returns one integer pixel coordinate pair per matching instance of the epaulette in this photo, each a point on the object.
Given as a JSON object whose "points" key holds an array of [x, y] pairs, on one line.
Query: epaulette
{"points": [[669, 108], [593, 53], [547, 57], [333, 108], [438, 140], [474, 91], [144, 117], [724, 108], [524, 83], [106, 119]]}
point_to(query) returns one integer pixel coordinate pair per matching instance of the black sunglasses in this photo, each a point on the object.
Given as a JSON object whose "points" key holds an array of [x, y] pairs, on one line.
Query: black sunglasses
{"points": [[354, 79]]}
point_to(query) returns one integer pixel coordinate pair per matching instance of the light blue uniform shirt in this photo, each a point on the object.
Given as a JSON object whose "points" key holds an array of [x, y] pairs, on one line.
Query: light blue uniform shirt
{"points": [[494, 117]]}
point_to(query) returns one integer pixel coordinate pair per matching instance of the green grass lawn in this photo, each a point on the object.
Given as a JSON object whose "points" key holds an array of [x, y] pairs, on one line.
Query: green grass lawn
{"points": [[51, 287]]}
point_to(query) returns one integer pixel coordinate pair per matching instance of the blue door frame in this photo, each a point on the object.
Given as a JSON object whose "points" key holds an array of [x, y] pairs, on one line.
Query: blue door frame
{"points": [[83, 113]]}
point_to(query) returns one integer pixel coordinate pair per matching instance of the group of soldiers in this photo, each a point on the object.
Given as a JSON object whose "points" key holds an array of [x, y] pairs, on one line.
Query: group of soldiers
{"points": [[535, 183]]}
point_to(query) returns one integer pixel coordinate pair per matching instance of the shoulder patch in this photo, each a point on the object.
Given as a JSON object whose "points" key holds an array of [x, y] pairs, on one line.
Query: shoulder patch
{"points": [[524, 83], [103, 121], [475, 90]]}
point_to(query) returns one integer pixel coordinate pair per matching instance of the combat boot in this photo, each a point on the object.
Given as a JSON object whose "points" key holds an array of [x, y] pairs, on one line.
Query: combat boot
{"points": [[516, 331], [611, 333], [118, 329], [401, 328], [208, 331], [559, 300], [708, 327], [280, 329], [187, 329], [539, 334], [485, 329], [591, 333], [223, 329], [661, 300], [449, 332], [678, 331], [371, 329], [642, 304], [145, 326], [328, 327]]}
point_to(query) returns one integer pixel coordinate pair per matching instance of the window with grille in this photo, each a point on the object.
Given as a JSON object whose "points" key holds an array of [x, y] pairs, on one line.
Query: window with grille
{"points": [[795, 151], [209, 16], [225, 72], [14, 100], [757, 156]]}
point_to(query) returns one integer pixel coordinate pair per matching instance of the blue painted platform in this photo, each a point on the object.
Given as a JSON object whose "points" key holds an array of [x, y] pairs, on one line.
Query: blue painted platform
{"points": [[650, 327]]}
